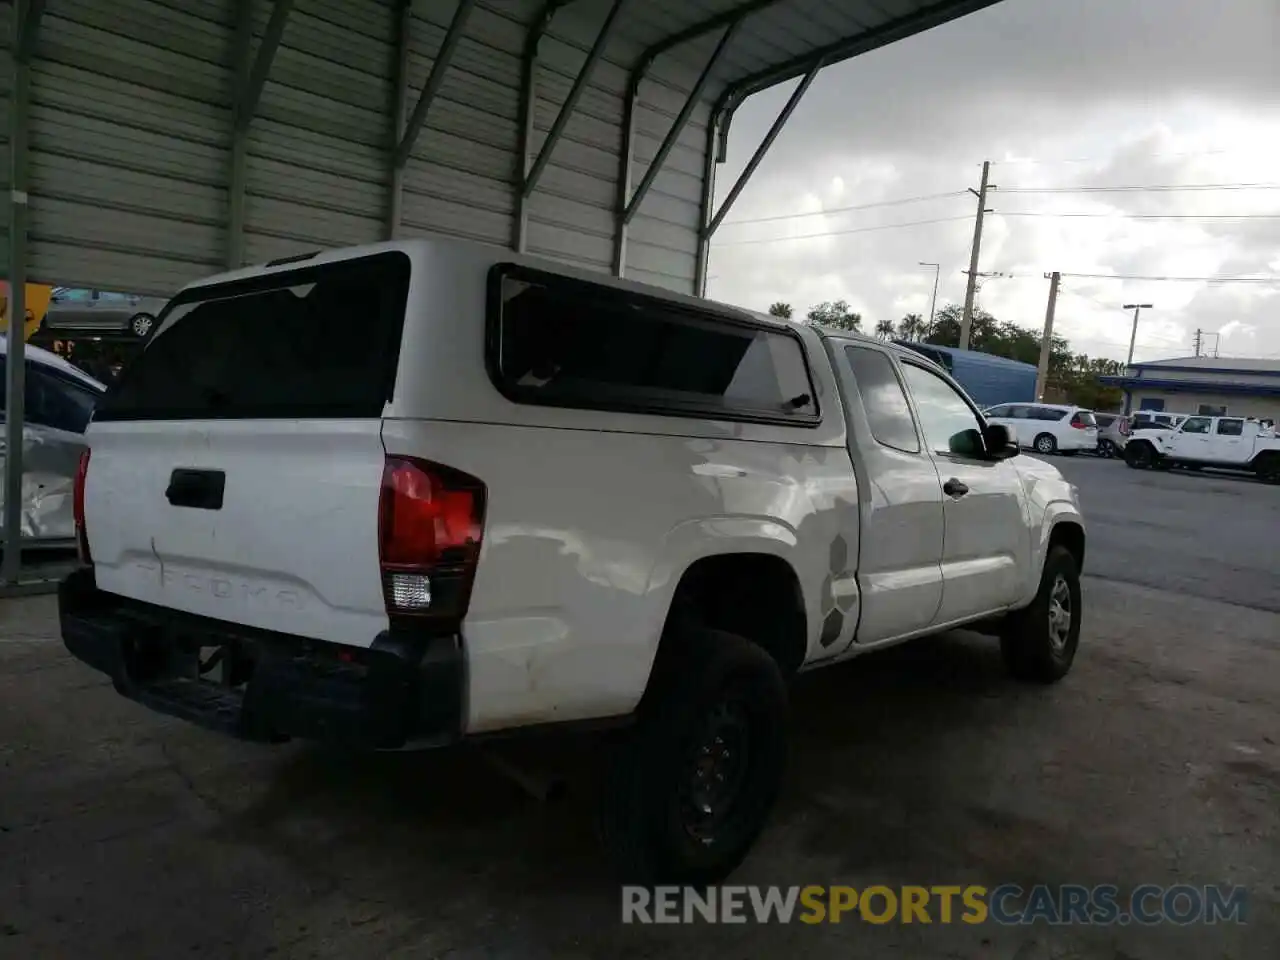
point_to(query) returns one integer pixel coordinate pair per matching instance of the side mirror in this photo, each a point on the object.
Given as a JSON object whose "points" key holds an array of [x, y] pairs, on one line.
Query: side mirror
{"points": [[967, 443], [999, 441]]}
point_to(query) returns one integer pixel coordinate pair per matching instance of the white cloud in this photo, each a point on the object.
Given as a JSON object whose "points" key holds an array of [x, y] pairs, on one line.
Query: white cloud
{"points": [[1067, 105]]}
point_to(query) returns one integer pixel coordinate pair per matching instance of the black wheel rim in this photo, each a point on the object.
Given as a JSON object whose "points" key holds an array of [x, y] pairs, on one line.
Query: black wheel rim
{"points": [[715, 770]]}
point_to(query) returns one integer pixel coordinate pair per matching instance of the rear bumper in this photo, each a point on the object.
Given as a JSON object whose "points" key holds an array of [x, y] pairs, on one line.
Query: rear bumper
{"points": [[265, 686]]}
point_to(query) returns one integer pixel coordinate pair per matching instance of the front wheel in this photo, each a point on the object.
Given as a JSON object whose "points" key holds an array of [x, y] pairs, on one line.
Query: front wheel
{"points": [[1046, 444], [1106, 449], [691, 785], [1140, 456], [1039, 642]]}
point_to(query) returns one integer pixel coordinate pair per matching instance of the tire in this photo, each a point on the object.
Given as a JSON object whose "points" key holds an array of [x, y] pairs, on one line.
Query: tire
{"points": [[1106, 449], [1045, 443], [1037, 646], [717, 709], [1140, 456], [1268, 468], [141, 325]]}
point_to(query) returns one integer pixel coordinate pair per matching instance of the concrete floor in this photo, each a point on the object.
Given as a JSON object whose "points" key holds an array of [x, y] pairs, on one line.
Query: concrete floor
{"points": [[1156, 761]]}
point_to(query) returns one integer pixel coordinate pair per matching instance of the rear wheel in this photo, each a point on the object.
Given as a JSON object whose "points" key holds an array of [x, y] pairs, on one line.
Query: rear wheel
{"points": [[1268, 468], [689, 788], [1039, 642], [1046, 444], [140, 325]]}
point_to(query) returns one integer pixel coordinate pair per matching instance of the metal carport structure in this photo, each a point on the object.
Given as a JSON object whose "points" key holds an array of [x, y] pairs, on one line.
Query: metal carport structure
{"points": [[150, 142]]}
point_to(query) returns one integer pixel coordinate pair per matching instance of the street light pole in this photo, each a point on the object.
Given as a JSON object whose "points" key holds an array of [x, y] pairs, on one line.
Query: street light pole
{"points": [[933, 304], [1137, 308]]}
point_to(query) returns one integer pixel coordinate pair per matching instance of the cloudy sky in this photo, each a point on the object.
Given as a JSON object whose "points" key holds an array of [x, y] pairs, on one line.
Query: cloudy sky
{"points": [[1059, 95]]}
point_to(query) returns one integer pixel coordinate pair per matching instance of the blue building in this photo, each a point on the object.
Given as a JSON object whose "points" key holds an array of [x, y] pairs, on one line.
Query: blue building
{"points": [[1210, 386]]}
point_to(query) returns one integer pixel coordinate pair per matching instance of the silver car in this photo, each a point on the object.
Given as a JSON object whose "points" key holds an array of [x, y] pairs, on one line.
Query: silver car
{"points": [[99, 312], [1113, 434], [60, 399]]}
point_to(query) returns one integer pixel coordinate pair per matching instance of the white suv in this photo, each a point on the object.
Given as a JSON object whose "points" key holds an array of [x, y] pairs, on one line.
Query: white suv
{"points": [[1048, 427], [417, 492]]}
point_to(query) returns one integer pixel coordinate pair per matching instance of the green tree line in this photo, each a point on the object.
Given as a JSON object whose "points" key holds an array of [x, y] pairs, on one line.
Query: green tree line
{"points": [[1073, 377]]}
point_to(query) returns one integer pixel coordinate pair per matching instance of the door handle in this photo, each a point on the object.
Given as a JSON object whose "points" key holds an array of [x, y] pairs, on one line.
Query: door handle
{"points": [[955, 488], [199, 489]]}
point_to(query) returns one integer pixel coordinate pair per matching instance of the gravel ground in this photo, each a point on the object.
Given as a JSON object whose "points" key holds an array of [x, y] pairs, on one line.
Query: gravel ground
{"points": [[127, 834]]}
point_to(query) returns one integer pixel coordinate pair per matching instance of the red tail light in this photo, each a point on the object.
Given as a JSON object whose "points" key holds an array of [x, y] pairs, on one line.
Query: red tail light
{"points": [[1078, 423], [430, 523], [1124, 426], [77, 508]]}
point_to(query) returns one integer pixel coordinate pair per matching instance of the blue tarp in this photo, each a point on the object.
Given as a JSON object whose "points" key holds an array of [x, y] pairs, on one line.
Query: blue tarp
{"points": [[986, 378]]}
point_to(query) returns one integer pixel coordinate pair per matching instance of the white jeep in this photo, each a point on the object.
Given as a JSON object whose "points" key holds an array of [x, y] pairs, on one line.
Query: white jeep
{"points": [[417, 492], [1223, 443]]}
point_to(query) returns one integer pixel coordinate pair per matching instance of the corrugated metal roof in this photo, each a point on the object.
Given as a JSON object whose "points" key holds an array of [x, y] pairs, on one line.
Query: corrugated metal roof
{"points": [[1218, 364], [777, 39]]}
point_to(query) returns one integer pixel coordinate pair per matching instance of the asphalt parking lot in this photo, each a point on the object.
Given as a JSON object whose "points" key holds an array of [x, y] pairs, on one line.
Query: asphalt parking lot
{"points": [[1156, 761]]}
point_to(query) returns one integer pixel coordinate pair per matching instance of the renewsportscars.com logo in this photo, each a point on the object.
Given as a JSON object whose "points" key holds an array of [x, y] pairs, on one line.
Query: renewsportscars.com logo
{"points": [[1007, 904]]}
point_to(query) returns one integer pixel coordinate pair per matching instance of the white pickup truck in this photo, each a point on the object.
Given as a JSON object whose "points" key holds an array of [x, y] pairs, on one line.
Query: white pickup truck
{"points": [[1223, 443], [420, 492]]}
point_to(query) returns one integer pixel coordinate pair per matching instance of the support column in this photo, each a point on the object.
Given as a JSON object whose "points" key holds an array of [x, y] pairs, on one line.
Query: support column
{"points": [[399, 107], [528, 182], [24, 24], [250, 76], [682, 118]]}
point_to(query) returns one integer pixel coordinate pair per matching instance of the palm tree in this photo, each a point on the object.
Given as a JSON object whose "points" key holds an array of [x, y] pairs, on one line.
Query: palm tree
{"points": [[780, 309], [884, 328], [911, 326]]}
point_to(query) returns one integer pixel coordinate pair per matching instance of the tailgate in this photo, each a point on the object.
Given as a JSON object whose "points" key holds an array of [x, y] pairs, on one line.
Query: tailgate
{"points": [[235, 469], [289, 542]]}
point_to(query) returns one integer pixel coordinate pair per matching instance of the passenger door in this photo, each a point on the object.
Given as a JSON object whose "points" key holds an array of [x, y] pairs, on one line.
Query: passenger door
{"points": [[1228, 444], [901, 510], [985, 543], [1192, 441], [57, 411]]}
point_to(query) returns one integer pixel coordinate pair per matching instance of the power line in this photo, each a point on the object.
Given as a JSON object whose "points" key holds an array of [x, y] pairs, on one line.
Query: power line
{"points": [[841, 233], [1152, 188], [1144, 216], [862, 206], [1132, 276], [1109, 159]]}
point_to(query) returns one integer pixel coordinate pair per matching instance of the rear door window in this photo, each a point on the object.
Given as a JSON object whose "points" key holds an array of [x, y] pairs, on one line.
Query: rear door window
{"points": [[888, 413], [558, 341], [315, 342], [1230, 428], [56, 401]]}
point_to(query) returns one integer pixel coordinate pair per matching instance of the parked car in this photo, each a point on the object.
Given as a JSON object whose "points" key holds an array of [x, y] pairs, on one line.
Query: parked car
{"points": [[1225, 443], [1048, 428], [59, 399], [1150, 420], [528, 494], [1113, 434], [74, 312]]}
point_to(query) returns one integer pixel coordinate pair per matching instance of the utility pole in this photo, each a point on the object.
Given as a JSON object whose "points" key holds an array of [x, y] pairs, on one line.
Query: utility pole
{"points": [[1198, 340], [1133, 337], [966, 321], [1042, 371], [933, 304]]}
